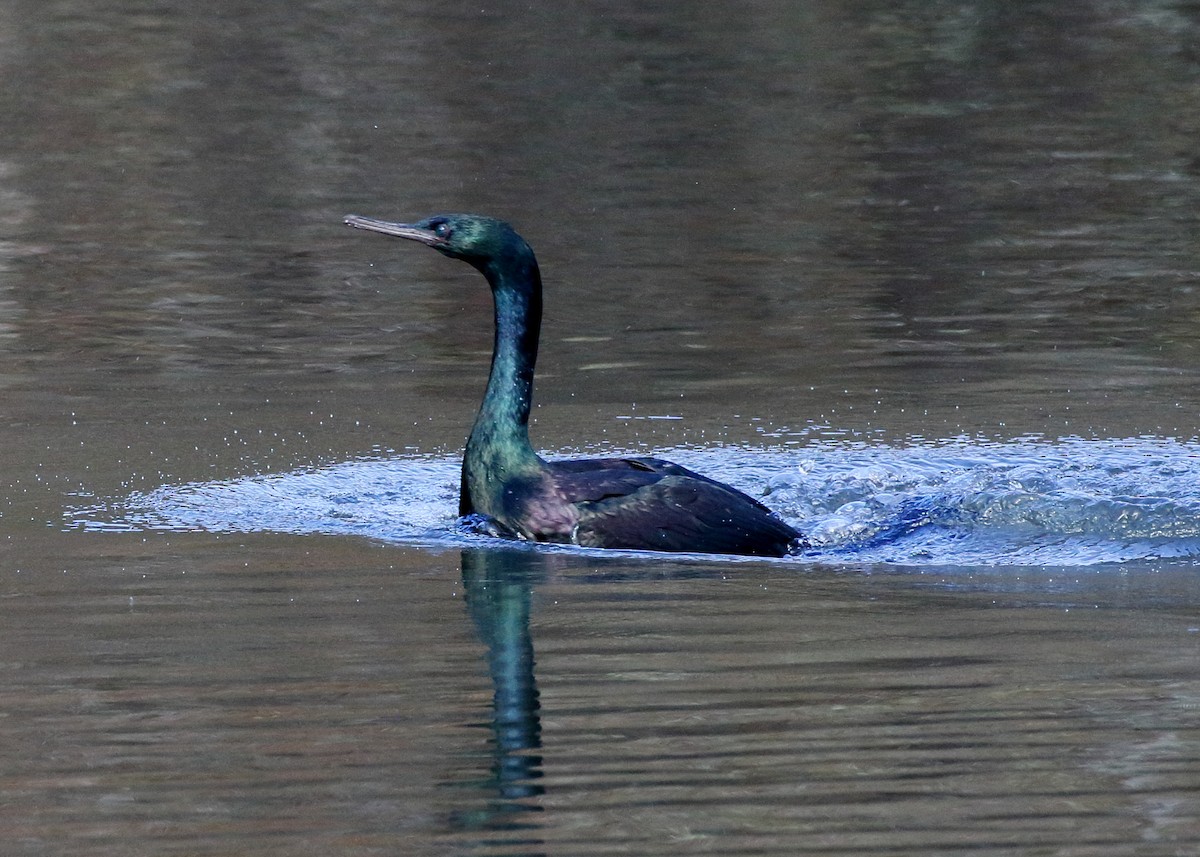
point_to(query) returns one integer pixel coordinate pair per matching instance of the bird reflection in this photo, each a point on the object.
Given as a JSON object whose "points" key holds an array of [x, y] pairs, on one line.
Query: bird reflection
{"points": [[498, 586]]}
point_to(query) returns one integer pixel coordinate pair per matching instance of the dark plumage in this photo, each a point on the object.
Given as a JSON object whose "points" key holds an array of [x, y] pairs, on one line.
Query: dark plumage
{"points": [[632, 503]]}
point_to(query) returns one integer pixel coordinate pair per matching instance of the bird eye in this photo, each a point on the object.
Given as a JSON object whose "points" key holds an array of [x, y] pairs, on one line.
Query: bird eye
{"points": [[442, 229]]}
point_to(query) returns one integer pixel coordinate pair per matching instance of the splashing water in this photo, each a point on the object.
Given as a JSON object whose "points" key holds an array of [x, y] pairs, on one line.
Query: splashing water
{"points": [[1073, 502]]}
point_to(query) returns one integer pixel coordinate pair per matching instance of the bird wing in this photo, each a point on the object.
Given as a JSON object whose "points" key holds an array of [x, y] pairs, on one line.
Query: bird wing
{"points": [[651, 504], [589, 480]]}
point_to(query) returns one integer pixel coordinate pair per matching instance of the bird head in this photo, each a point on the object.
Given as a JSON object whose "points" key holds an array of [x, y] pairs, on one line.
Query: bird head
{"points": [[469, 237]]}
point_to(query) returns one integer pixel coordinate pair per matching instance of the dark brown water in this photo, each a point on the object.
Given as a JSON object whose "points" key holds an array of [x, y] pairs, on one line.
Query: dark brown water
{"points": [[922, 274]]}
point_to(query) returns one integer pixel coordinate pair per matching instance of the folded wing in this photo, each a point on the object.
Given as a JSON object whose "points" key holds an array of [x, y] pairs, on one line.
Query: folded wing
{"points": [[651, 504]]}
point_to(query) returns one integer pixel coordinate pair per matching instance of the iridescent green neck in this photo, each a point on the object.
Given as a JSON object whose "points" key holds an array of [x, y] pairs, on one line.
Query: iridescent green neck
{"points": [[498, 450]]}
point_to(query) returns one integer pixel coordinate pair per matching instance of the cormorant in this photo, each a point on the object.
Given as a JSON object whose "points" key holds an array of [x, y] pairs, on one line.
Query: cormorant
{"points": [[631, 503]]}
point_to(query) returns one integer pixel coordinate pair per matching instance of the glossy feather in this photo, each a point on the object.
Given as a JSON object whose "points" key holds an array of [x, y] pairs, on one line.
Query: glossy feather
{"points": [[652, 504], [629, 503]]}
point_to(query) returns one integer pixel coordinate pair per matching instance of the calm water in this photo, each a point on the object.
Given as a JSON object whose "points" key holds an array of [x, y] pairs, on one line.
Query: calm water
{"points": [[922, 275]]}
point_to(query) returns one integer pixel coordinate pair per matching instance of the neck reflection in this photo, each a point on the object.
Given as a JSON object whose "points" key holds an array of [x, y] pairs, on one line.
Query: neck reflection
{"points": [[498, 585]]}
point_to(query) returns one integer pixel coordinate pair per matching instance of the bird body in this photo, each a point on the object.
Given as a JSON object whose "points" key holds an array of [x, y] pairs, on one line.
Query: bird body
{"points": [[631, 503]]}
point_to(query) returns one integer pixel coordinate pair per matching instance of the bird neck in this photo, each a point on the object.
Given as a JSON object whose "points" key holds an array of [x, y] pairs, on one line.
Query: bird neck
{"points": [[499, 448]]}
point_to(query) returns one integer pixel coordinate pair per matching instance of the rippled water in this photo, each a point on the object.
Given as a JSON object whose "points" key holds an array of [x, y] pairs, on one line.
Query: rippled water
{"points": [[956, 503], [921, 275]]}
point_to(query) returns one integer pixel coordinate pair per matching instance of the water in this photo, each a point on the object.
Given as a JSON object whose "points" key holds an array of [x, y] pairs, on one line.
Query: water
{"points": [[921, 275], [957, 503]]}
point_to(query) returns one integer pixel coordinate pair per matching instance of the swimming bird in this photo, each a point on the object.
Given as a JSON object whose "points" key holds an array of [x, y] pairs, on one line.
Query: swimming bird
{"points": [[629, 502]]}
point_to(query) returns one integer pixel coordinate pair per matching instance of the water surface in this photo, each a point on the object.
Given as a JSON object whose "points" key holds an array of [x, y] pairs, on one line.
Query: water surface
{"points": [[921, 275]]}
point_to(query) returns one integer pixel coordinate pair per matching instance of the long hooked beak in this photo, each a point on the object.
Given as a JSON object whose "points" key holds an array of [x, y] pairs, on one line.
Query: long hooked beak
{"points": [[399, 230]]}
